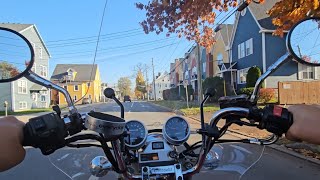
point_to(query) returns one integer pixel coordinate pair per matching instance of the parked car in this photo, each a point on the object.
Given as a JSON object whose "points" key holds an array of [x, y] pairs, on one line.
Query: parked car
{"points": [[126, 98], [86, 101]]}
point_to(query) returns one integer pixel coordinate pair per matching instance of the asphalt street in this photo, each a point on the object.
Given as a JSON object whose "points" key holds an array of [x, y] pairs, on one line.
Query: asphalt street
{"points": [[253, 161]]}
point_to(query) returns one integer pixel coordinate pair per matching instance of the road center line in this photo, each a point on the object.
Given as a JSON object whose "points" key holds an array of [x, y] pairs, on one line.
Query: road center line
{"points": [[132, 104]]}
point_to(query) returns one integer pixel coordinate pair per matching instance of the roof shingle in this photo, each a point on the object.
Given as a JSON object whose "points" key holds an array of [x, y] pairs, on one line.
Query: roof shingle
{"points": [[83, 72]]}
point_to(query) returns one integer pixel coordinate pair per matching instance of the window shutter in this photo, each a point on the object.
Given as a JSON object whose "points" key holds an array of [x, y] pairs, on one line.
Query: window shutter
{"points": [[239, 52], [315, 71], [300, 68], [251, 45]]}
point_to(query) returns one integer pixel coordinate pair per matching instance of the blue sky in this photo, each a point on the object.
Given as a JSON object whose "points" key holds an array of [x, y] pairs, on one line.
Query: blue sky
{"points": [[70, 27]]}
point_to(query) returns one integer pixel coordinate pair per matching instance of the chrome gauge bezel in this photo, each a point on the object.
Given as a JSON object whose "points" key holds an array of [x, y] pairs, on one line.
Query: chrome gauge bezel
{"points": [[138, 146], [173, 141]]}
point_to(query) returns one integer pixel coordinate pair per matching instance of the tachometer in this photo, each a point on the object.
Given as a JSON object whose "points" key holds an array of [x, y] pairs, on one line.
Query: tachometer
{"points": [[176, 130], [137, 134]]}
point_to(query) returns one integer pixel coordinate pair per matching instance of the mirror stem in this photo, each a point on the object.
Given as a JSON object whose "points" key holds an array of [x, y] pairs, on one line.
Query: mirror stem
{"points": [[271, 69], [33, 77], [120, 104], [202, 116]]}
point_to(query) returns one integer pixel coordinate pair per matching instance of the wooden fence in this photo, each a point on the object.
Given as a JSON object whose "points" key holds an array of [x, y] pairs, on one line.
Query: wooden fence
{"points": [[298, 92]]}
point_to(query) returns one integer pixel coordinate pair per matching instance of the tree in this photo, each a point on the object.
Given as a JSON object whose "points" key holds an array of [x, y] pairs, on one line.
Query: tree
{"points": [[286, 13], [253, 75], [124, 85], [141, 88], [8, 70], [216, 83], [195, 19]]}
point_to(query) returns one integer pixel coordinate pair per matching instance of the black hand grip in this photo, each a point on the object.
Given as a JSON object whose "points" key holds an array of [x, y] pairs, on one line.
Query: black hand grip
{"points": [[46, 132], [276, 119]]}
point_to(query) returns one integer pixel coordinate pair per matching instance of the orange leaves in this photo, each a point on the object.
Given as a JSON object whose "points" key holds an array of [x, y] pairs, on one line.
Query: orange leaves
{"points": [[194, 19], [286, 13]]}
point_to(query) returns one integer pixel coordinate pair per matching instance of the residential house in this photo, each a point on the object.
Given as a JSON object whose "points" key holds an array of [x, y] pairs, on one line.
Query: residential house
{"points": [[23, 94], [77, 79], [253, 44], [176, 72], [219, 54], [162, 82]]}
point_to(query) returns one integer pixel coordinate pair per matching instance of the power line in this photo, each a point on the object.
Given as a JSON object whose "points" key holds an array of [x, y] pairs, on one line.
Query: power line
{"points": [[138, 52], [90, 37], [95, 54], [119, 47]]}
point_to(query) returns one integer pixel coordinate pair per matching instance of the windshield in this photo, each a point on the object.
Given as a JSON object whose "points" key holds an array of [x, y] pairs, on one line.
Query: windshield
{"points": [[233, 160]]}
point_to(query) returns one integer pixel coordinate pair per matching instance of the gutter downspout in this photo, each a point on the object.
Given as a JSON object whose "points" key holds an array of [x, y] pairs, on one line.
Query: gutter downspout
{"points": [[264, 64], [12, 96]]}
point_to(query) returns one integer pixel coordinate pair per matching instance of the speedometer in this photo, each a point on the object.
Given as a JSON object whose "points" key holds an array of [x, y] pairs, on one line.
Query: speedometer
{"points": [[176, 130], [137, 134]]}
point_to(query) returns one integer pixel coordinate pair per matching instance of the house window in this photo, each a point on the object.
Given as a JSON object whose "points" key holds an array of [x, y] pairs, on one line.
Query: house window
{"points": [[75, 98], [306, 72], [40, 52], [245, 48], [34, 67], [88, 84], [43, 71], [43, 98], [242, 75], [249, 47], [22, 105], [89, 96], [44, 92], [76, 87], [165, 85], [65, 87], [34, 96], [204, 66], [22, 87]]}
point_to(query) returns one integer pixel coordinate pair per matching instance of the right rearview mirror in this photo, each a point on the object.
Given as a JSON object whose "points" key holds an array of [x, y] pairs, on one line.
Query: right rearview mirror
{"points": [[304, 41]]}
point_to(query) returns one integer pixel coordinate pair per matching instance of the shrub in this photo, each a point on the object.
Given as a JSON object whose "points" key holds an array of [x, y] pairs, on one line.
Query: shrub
{"points": [[266, 94], [216, 83], [253, 74], [247, 91]]}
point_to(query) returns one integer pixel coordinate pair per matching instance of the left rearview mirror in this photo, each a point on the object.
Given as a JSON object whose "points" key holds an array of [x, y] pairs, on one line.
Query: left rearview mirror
{"points": [[304, 41], [16, 55]]}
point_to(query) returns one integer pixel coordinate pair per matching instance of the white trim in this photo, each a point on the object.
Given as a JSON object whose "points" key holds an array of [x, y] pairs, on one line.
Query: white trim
{"points": [[23, 102], [264, 58], [12, 96], [74, 87], [234, 30], [269, 31], [26, 86], [36, 30]]}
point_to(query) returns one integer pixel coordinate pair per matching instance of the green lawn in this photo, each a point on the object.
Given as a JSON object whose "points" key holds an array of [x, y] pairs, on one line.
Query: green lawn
{"points": [[182, 106], [31, 111]]}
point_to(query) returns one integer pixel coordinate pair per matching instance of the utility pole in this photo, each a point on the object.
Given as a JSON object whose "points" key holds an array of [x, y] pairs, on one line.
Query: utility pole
{"points": [[154, 82], [147, 81], [199, 73], [299, 51]]}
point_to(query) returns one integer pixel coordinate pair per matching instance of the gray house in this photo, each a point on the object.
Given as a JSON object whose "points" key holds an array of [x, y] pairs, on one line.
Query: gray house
{"points": [[23, 94], [253, 44]]}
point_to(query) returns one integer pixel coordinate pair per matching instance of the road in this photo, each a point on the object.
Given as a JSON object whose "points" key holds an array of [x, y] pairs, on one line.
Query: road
{"points": [[272, 164]]}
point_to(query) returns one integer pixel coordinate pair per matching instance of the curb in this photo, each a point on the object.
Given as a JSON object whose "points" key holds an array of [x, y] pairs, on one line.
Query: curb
{"points": [[273, 146]]}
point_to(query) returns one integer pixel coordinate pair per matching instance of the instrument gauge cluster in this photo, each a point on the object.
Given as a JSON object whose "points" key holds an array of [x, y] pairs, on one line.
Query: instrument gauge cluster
{"points": [[176, 130], [137, 134]]}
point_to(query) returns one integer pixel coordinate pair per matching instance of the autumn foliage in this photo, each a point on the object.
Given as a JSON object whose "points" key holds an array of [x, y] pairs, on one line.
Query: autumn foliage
{"points": [[195, 19]]}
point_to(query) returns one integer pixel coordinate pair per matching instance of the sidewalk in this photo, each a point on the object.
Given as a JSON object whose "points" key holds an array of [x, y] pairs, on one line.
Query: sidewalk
{"points": [[245, 130], [302, 150]]}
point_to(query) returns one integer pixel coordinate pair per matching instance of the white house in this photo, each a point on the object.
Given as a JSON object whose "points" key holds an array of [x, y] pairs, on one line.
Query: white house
{"points": [[162, 82]]}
